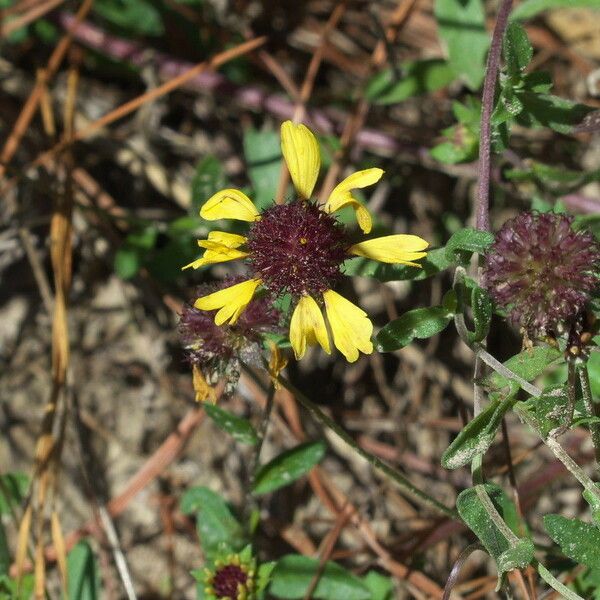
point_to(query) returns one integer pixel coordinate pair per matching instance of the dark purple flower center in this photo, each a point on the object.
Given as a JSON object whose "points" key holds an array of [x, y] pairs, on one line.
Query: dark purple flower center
{"points": [[226, 580], [297, 248], [541, 270]]}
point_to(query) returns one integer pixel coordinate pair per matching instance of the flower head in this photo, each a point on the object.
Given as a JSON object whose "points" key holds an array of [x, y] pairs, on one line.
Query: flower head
{"points": [[217, 349], [542, 271], [299, 249], [231, 578]]}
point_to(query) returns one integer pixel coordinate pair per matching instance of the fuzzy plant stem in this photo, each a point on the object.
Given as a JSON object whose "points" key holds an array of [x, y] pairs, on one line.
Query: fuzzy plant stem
{"points": [[590, 407], [482, 210], [409, 489], [554, 583]]}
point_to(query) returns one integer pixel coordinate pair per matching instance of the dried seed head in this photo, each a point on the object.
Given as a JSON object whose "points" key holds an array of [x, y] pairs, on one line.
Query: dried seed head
{"points": [[297, 248], [542, 271], [209, 345]]}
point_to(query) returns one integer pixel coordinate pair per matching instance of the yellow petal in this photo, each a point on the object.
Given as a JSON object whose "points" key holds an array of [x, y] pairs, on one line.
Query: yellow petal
{"points": [[231, 301], [302, 157], [308, 327], [350, 326], [231, 240], [398, 248], [215, 253], [229, 204], [342, 195]]}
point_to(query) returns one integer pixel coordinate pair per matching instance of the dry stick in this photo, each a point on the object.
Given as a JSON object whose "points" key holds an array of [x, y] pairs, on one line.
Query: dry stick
{"points": [[123, 110], [30, 107], [307, 87]]}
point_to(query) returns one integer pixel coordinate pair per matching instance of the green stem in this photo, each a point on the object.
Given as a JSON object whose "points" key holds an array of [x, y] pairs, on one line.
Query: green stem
{"points": [[409, 489], [554, 583], [590, 407], [255, 458]]}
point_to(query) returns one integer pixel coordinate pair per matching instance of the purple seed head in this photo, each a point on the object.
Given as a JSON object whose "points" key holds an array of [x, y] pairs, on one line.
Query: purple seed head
{"points": [[542, 271]]}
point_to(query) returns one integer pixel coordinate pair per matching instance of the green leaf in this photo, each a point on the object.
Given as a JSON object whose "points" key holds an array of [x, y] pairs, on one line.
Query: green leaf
{"points": [[13, 490], [134, 16], [435, 262], [263, 155], [468, 241], [481, 305], [517, 557], [380, 586], [5, 560], [548, 410], [418, 78], [518, 51], [461, 25], [240, 429], [545, 110], [477, 435], [144, 238], [287, 467], [577, 540], [473, 513], [217, 527], [293, 575], [84, 578], [127, 262], [208, 179], [531, 8], [420, 323], [528, 364]]}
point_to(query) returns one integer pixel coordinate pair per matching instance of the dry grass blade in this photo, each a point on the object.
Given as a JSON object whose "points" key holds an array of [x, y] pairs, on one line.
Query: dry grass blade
{"points": [[61, 551], [22, 539], [133, 105], [30, 107], [35, 13]]}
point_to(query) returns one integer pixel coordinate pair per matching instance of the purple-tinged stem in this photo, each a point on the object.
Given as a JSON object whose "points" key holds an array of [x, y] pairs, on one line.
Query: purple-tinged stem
{"points": [[482, 207]]}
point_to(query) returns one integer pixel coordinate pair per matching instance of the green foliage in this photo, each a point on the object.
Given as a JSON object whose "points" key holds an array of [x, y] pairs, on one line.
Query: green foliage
{"points": [[293, 575], [240, 429], [136, 17], [528, 364], [208, 179], [577, 540], [466, 242], [461, 25], [263, 156], [288, 467], [481, 305], [13, 489], [11, 589], [477, 436], [381, 587], [419, 323], [462, 143], [84, 577], [417, 78], [548, 410], [217, 527], [557, 180], [530, 8], [517, 49], [507, 555]]}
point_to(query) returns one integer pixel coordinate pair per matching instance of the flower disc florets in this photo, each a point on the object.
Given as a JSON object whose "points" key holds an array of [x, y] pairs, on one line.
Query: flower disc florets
{"points": [[542, 271], [231, 578], [297, 248]]}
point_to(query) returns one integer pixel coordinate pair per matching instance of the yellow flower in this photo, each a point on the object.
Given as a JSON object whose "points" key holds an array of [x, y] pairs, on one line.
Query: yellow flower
{"points": [[299, 248]]}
